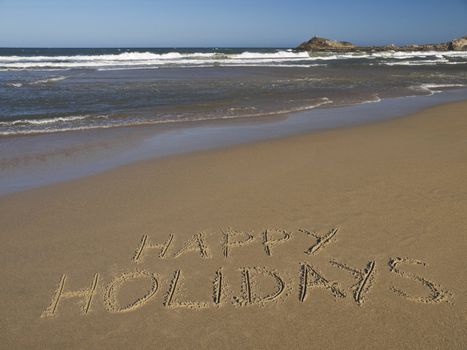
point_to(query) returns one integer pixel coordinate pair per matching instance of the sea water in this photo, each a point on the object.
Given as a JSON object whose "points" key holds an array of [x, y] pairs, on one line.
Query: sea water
{"points": [[66, 113], [58, 90]]}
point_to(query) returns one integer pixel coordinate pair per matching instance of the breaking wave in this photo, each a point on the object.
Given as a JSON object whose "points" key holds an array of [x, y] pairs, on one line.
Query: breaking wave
{"points": [[89, 122], [203, 59], [432, 89], [47, 120], [48, 80]]}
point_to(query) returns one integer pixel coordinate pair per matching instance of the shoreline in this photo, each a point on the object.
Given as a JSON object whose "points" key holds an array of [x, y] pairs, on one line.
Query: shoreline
{"points": [[357, 230], [78, 154]]}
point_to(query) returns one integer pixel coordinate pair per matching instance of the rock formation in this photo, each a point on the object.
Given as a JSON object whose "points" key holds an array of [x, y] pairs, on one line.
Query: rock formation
{"points": [[317, 44], [323, 44], [458, 44]]}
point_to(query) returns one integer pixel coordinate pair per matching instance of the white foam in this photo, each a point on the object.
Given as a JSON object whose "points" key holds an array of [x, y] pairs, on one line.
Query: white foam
{"points": [[430, 88], [48, 120], [274, 55], [48, 80], [206, 59], [80, 127], [418, 63], [54, 130], [126, 68], [375, 100]]}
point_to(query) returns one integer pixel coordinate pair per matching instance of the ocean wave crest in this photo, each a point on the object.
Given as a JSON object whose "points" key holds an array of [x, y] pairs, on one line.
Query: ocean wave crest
{"points": [[432, 89], [90, 122], [47, 121], [278, 57]]}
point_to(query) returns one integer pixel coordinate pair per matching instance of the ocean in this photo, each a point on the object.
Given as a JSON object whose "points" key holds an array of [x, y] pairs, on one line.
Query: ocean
{"points": [[62, 90]]}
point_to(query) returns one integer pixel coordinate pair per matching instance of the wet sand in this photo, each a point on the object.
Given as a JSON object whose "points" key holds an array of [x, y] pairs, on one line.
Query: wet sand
{"points": [[348, 238]]}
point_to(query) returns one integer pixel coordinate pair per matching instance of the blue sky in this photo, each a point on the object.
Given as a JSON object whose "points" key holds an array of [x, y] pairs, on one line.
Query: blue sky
{"points": [[235, 23]]}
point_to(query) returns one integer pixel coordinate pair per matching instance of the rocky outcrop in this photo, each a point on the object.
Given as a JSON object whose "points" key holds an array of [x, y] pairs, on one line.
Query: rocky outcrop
{"points": [[317, 44], [425, 47], [458, 44], [323, 44]]}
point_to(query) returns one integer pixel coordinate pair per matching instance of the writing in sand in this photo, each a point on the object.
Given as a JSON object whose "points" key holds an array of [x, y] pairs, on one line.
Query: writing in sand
{"points": [[257, 285]]}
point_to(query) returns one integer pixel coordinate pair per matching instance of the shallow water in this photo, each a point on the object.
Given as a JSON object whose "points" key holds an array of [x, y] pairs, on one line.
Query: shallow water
{"points": [[36, 160]]}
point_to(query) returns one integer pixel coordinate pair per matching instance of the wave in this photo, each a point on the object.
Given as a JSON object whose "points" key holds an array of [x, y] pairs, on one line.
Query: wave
{"points": [[16, 85], [143, 59], [214, 64], [275, 55], [430, 88], [375, 100], [48, 80], [81, 123], [126, 56], [47, 121], [199, 59], [37, 82], [417, 63]]}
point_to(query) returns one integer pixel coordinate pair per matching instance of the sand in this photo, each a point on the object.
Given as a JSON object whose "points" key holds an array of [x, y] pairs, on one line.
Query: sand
{"points": [[350, 238]]}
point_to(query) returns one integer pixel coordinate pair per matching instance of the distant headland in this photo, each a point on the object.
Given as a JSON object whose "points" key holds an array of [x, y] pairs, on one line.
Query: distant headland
{"points": [[317, 44]]}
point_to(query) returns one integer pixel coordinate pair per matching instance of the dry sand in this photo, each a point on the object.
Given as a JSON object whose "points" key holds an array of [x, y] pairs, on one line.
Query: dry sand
{"points": [[351, 238]]}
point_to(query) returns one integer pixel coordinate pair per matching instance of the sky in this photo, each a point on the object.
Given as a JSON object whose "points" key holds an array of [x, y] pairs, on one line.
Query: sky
{"points": [[222, 23]]}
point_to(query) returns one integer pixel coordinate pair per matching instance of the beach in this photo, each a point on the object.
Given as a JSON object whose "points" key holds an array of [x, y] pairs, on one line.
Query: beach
{"points": [[344, 238]]}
